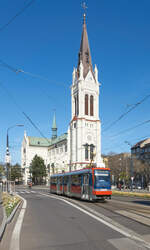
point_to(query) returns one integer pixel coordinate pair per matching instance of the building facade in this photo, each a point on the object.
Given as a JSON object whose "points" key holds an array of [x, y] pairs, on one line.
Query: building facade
{"points": [[81, 145], [141, 150]]}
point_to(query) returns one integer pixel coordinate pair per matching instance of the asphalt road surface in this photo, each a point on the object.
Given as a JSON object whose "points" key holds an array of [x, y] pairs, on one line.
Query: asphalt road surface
{"points": [[52, 222]]}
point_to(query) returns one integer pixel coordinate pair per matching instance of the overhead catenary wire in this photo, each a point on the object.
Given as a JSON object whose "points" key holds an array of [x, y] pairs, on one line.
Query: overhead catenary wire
{"points": [[17, 71], [24, 114], [16, 15], [125, 113], [131, 128]]}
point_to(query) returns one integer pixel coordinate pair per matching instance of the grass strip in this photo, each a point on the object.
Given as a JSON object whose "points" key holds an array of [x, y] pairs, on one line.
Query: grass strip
{"points": [[131, 194], [9, 203]]}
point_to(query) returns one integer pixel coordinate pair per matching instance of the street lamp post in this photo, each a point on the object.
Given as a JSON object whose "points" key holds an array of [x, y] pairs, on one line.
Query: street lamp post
{"points": [[8, 158], [131, 166]]}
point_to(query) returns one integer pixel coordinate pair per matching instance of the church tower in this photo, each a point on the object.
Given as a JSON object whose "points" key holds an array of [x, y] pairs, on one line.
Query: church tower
{"points": [[84, 134]]}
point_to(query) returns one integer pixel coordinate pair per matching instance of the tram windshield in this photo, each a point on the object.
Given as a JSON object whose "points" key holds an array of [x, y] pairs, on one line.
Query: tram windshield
{"points": [[102, 178]]}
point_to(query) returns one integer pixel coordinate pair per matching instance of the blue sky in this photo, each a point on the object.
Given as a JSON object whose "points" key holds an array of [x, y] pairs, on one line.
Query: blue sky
{"points": [[45, 39]]}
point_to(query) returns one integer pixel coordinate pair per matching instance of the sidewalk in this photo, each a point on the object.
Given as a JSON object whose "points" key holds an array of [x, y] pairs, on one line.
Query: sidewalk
{"points": [[1, 213], [2, 219]]}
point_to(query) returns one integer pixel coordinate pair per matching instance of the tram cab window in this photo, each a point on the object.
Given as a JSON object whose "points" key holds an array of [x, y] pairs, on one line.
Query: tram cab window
{"points": [[102, 178]]}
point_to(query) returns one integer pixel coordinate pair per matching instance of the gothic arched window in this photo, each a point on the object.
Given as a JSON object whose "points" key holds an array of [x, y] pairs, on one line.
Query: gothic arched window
{"points": [[75, 104], [86, 104], [91, 106]]}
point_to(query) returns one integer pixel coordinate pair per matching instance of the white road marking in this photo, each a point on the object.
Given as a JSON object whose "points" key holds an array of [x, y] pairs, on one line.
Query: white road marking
{"points": [[15, 239], [25, 192], [134, 216], [128, 233], [125, 243]]}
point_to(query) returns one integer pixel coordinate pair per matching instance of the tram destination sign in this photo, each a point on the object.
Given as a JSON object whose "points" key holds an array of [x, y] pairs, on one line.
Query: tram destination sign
{"points": [[101, 173]]}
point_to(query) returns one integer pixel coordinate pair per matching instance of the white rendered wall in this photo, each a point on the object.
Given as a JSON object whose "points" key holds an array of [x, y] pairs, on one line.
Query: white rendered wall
{"points": [[87, 128]]}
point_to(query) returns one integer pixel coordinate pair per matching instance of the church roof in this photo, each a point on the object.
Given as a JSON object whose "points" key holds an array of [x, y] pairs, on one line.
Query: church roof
{"points": [[59, 139], [39, 141], [45, 142], [84, 53]]}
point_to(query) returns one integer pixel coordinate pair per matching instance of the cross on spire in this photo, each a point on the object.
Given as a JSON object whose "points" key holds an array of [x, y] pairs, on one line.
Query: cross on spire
{"points": [[84, 53], [84, 7]]}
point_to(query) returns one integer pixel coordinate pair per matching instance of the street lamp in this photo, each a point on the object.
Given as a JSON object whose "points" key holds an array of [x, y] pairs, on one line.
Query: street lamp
{"points": [[7, 158], [131, 167]]}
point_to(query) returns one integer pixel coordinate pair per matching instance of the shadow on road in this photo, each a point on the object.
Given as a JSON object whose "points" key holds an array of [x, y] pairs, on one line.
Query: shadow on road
{"points": [[146, 203]]}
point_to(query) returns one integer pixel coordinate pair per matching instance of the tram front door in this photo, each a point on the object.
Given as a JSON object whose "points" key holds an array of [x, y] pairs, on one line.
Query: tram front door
{"points": [[85, 187]]}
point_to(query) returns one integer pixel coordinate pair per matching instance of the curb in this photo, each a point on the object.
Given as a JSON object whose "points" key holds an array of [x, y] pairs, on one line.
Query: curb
{"points": [[3, 225], [9, 219]]}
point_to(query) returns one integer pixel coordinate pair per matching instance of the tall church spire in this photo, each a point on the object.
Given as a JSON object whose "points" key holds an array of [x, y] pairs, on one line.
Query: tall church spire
{"points": [[84, 53]]}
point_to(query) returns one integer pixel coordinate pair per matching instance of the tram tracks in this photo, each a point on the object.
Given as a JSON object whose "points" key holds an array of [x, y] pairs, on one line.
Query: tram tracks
{"points": [[134, 212], [113, 209]]}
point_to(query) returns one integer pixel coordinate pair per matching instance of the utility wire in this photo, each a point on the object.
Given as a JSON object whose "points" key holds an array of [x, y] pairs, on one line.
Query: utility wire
{"points": [[46, 79], [20, 109], [17, 71], [126, 130], [17, 14], [8, 66], [125, 113], [33, 124]]}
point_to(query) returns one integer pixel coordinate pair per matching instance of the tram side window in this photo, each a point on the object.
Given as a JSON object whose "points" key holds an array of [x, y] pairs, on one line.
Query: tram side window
{"points": [[60, 179], [66, 178], [54, 180], [76, 179]]}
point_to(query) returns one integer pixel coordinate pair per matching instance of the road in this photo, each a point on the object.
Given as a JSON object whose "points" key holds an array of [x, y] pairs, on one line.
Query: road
{"points": [[55, 223]]}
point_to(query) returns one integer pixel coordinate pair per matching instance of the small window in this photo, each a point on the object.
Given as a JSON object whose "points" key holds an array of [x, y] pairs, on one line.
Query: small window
{"points": [[38, 142], [75, 125], [86, 152], [91, 106], [86, 104]]}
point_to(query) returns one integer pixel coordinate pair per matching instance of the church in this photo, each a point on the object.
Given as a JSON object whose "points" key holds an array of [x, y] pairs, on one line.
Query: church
{"points": [[81, 145]]}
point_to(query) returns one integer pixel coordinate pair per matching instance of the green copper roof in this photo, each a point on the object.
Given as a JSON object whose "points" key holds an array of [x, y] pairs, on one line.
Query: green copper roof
{"points": [[45, 142], [59, 139], [39, 141]]}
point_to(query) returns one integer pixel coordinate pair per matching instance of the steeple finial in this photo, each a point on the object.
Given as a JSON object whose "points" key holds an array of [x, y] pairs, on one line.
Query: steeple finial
{"points": [[84, 53], [84, 9]]}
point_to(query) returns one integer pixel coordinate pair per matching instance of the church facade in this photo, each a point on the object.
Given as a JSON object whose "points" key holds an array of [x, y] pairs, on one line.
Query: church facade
{"points": [[81, 145]]}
